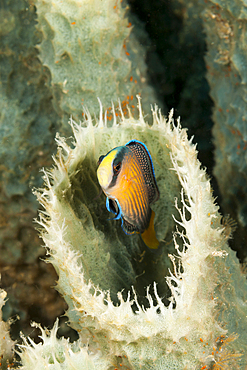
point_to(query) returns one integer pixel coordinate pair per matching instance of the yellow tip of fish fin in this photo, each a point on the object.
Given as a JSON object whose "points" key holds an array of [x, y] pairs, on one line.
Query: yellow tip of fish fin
{"points": [[149, 236]]}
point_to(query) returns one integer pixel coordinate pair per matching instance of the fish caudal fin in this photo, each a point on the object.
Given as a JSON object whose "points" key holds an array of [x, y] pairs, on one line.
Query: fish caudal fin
{"points": [[149, 236]]}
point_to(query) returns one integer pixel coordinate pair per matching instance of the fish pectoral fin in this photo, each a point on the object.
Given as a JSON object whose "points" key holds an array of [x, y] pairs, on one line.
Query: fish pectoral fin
{"points": [[149, 235], [114, 207], [128, 228]]}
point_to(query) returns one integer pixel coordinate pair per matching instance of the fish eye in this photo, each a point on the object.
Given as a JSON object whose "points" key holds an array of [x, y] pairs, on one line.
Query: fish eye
{"points": [[117, 168], [100, 159]]}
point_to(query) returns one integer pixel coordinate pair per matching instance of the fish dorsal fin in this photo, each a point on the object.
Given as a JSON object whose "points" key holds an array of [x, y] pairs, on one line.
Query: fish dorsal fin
{"points": [[143, 156]]}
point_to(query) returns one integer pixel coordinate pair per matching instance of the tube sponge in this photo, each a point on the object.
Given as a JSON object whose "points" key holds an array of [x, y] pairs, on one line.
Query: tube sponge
{"points": [[6, 344], [91, 50], [97, 264], [107, 254]]}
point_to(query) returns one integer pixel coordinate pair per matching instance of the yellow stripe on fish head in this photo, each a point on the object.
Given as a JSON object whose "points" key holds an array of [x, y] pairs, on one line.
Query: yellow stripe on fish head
{"points": [[105, 171]]}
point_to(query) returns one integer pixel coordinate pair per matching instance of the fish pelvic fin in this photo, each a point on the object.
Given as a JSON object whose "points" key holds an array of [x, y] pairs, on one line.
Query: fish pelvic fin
{"points": [[149, 235]]}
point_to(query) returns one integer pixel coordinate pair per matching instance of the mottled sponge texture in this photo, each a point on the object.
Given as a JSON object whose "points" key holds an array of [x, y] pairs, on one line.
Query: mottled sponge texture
{"points": [[225, 25], [91, 52]]}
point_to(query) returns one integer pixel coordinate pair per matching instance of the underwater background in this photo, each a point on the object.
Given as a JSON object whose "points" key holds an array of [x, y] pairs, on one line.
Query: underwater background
{"points": [[186, 55]]}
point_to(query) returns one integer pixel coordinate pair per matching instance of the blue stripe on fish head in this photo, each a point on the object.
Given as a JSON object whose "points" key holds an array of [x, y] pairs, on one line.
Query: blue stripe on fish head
{"points": [[113, 206]]}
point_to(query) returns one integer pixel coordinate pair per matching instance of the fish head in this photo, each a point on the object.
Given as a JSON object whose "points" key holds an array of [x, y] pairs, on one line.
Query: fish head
{"points": [[110, 166]]}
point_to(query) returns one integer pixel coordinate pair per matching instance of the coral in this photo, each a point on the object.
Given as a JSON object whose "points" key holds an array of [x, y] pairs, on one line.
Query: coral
{"points": [[90, 254]]}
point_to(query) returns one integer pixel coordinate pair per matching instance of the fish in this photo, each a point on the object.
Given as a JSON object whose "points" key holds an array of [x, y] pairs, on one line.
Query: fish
{"points": [[126, 176]]}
